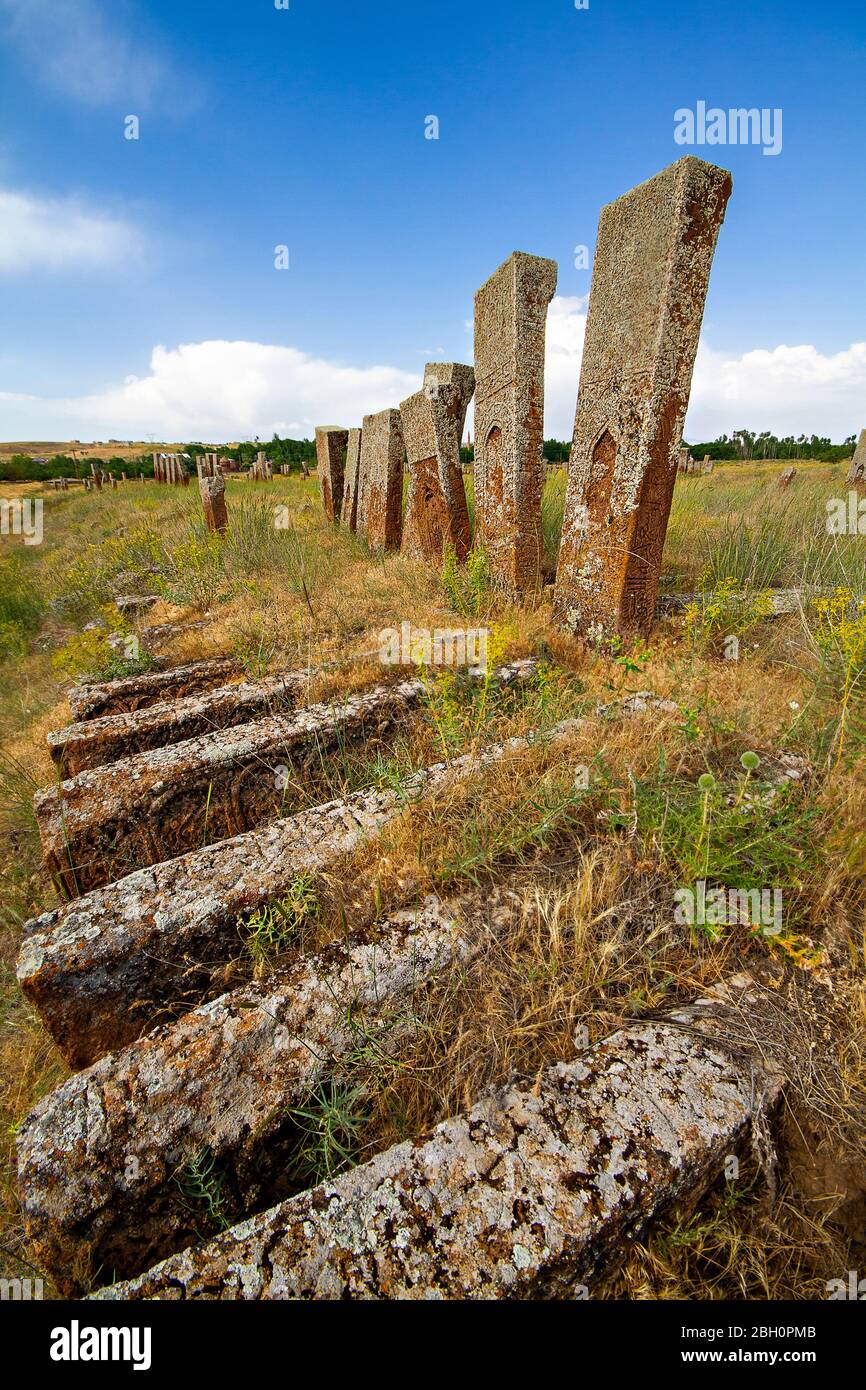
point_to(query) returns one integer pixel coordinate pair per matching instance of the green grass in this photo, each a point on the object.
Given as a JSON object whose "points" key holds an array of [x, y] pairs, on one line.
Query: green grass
{"points": [[330, 1122], [744, 832], [22, 606], [763, 538], [203, 1191], [302, 592], [278, 926]]}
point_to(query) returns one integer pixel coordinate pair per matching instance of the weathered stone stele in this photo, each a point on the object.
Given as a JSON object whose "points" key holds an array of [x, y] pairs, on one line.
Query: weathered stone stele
{"points": [[331, 442], [786, 477], [100, 1156], [857, 471], [107, 821], [433, 420], [213, 498], [652, 265], [380, 491], [130, 693], [510, 321], [96, 742], [349, 511], [535, 1188]]}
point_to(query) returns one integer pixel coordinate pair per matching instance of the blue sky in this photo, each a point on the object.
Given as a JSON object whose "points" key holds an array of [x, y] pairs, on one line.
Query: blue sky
{"points": [[138, 292]]}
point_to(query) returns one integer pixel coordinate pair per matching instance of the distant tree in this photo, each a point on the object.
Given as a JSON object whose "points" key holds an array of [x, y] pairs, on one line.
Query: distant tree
{"points": [[556, 451]]}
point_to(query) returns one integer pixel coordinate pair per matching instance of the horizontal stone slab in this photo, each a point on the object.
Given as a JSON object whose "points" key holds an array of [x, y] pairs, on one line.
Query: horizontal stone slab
{"points": [[101, 969], [95, 742], [131, 693], [135, 603], [161, 634], [778, 602], [101, 1159], [534, 1191], [109, 821]]}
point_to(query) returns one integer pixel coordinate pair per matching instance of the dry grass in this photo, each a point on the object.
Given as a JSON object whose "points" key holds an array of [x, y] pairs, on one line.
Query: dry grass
{"points": [[582, 880]]}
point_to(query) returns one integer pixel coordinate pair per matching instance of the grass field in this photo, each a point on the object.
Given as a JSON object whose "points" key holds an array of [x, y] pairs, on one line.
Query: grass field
{"points": [[592, 870]]}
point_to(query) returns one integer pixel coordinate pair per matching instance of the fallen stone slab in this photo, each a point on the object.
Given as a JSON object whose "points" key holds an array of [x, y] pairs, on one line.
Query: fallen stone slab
{"points": [[102, 1159], [129, 693], [162, 633], [95, 742], [109, 821], [533, 1192], [104, 968], [778, 602], [639, 702], [135, 603]]}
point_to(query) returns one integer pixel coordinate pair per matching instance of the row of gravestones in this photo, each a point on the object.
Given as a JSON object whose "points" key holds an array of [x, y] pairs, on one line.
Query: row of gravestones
{"points": [[169, 1090], [689, 465], [653, 256], [605, 1140]]}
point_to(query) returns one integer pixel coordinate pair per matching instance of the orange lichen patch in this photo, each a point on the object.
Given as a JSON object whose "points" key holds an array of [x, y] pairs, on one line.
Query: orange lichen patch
{"points": [[426, 514]]}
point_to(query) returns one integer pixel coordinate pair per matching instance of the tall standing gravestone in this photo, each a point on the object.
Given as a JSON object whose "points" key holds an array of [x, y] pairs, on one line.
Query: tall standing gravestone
{"points": [[510, 322], [433, 420], [857, 471], [652, 266], [349, 511], [380, 487], [331, 441], [213, 497]]}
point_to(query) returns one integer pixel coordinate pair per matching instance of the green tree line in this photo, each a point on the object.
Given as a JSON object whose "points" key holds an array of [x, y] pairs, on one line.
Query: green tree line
{"points": [[22, 468], [745, 445]]}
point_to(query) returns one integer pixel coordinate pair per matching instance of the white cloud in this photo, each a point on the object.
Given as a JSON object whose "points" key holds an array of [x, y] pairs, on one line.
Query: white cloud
{"points": [[224, 390], [74, 49], [788, 390], [219, 390], [566, 326], [47, 234]]}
